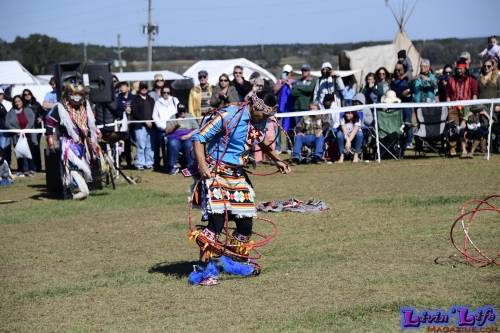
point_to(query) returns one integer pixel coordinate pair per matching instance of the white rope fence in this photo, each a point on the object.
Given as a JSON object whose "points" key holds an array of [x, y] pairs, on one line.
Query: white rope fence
{"points": [[334, 110]]}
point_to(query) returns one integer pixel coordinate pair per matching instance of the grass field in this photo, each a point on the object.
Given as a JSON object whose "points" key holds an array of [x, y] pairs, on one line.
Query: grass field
{"points": [[118, 261]]}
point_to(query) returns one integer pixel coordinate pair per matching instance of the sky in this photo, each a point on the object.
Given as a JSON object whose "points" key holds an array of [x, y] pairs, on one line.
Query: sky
{"points": [[234, 22]]}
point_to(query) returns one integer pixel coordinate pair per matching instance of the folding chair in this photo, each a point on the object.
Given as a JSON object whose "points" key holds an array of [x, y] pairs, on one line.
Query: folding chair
{"points": [[431, 131], [391, 133]]}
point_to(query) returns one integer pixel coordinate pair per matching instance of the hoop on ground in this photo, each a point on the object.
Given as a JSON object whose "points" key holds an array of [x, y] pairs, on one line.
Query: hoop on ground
{"points": [[472, 209]]}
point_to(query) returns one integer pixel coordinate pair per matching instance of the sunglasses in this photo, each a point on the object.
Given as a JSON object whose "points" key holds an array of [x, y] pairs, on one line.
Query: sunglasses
{"points": [[165, 92], [487, 66], [223, 80], [144, 88], [448, 72], [202, 77], [239, 73], [27, 94]]}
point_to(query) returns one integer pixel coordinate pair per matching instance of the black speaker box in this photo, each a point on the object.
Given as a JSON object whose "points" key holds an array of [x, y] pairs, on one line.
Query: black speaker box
{"points": [[53, 173], [100, 82], [67, 72]]}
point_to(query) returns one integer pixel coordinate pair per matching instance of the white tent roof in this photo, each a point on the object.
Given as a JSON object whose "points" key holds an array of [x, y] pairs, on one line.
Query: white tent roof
{"points": [[370, 58], [337, 72], [38, 90], [12, 72], [216, 67], [148, 76]]}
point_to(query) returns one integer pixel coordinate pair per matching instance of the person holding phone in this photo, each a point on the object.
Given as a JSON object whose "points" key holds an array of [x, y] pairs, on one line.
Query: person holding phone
{"points": [[179, 133]]}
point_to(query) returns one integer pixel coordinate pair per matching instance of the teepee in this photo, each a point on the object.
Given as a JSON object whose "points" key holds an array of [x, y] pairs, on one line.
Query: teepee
{"points": [[369, 59]]}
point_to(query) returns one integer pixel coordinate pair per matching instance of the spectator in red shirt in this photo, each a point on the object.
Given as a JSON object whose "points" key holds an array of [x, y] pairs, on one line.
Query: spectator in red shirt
{"points": [[460, 87]]}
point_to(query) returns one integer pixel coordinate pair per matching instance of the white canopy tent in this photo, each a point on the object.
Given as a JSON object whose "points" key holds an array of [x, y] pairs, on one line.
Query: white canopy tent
{"points": [[148, 76], [337, 72], [217, 67], [130, 76], [12, 72]]}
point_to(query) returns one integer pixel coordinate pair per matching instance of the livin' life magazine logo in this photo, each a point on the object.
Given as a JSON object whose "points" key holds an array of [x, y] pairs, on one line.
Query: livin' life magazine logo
{"points": [[456, 319]]}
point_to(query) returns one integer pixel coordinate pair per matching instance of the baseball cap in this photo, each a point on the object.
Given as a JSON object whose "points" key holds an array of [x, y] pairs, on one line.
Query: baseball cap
{"points": [[326, 65], [306, 67], [143, 85], [158, 77], [1, 91], [203, 73], [465, 55], [287, 68]]}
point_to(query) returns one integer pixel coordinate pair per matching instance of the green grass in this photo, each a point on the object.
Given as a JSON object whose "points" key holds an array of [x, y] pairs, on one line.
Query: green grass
{"points": [[118, 261]]}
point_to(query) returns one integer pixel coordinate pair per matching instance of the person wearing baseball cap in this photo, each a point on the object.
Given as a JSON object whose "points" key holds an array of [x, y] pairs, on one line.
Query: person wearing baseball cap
{"points": [[465, 56], [200, 95], [329, 83], [142, 107], [407, 64], [158, 86], [283, 89], [303, 89], [461, 86]]}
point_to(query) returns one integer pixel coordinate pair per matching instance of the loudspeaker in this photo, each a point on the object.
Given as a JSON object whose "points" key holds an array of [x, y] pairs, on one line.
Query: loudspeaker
{"points": [[100, 82], [53, 171], [67, 72]]}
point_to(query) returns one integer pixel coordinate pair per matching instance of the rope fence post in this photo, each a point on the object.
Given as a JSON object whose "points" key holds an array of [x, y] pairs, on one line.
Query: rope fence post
{"points": [[377, 140], [488, 148]]}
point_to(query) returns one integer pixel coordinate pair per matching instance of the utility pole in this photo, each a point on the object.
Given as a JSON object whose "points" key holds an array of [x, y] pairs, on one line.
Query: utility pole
{"points": [[119, 52], [150, 30], [84, 53]]}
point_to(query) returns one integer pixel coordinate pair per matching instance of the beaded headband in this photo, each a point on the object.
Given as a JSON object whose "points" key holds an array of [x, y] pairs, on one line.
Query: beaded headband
{"points": [[259, 105]]}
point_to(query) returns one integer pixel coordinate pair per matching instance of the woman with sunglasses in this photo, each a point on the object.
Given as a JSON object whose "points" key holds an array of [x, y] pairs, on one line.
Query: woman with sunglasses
{"points": [[443, 81], [165, 108], [21, 117], [30, 102], [224, 93], [383, 80], [489, 87]]}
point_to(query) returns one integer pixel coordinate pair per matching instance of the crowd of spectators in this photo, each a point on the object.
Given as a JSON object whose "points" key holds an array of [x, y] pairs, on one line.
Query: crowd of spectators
{"points": [[163, 133]]}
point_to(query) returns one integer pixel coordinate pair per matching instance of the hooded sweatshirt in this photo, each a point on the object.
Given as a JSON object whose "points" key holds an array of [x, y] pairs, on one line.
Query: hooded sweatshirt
{"points": [[164, 109]]}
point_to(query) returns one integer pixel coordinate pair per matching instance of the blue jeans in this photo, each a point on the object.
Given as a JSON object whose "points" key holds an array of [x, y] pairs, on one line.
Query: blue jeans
{"points": [[144, 140], [309, 140], [357, 144], [407, 118], [174, 146], [159, 149]]}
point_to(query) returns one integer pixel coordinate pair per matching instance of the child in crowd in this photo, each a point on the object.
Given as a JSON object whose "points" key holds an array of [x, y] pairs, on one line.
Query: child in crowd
{"points": [[6, 177]]}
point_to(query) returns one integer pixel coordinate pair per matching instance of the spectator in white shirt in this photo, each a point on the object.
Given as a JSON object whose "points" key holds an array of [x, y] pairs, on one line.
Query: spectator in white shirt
{"points": [[165, 107]]}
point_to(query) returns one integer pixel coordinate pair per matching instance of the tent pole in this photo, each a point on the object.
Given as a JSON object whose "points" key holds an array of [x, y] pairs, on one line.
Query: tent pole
{"points": [[376, 134], [488, 149]]}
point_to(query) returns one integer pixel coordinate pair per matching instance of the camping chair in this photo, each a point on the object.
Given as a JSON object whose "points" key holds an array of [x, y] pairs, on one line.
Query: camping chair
{"points": [[430, 133], [391, 132]]}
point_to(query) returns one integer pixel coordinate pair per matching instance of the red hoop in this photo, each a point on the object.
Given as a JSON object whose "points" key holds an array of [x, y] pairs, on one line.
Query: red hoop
{"points": [[473, 254]]}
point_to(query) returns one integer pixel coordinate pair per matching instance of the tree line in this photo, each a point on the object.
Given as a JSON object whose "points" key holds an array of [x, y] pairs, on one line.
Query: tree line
{"points": [[38, 53]]}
